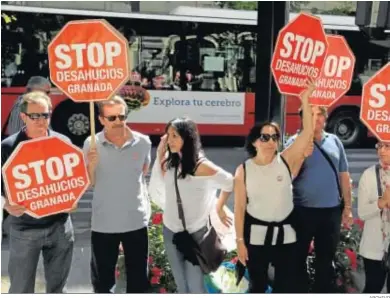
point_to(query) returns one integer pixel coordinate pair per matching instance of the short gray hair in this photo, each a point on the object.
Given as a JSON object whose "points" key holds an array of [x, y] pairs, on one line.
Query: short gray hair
{"points": [[37, 82], [116, 99], [37, 97]]}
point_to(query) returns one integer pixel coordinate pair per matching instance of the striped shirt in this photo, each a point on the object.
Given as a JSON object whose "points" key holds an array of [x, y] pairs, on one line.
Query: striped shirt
{"points": [[15, 124]]}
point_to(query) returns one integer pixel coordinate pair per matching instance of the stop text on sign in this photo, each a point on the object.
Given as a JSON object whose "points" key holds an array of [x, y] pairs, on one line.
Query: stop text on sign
{"points": [[90, 65], [45, 175], [336, 76], [299, 53], [31, 177]]}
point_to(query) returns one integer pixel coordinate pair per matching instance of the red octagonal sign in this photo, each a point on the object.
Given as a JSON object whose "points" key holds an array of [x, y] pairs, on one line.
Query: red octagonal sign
{"points": [[89, 60], [375, 107], [336, 75], [300, 52], [45, 175]]}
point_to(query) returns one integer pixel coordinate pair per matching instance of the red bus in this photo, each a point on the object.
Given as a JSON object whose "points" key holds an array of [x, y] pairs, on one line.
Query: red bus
{"points": [[194, 61]]}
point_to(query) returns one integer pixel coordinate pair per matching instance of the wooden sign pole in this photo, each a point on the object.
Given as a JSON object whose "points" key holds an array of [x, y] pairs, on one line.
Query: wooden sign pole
{"points": [[92, 123]]}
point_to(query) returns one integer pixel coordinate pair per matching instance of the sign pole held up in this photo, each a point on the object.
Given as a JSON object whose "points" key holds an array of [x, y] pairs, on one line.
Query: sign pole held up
{"points": [[92, 122]]}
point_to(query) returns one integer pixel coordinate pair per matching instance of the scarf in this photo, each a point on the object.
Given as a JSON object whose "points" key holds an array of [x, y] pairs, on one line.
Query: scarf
{"points": [[384, 174]]}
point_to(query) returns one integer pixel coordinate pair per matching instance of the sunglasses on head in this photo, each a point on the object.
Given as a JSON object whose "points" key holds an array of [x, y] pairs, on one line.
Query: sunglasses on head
{"points": [[265, 137], [36, 116], [382, 145], [112, 118]]}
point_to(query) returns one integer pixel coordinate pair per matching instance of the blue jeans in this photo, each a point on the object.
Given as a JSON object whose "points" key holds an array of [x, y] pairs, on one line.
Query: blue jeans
{"points": [[55, 243], [188, 278]]}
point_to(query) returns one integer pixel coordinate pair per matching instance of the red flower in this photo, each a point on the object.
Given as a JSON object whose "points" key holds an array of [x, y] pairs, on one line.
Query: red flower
{"points": [[157, 218], [156, 271], [163, 290], [155, 280], [150, 260], [311, 247], [359, 222], [352, 258], [234, 260]]}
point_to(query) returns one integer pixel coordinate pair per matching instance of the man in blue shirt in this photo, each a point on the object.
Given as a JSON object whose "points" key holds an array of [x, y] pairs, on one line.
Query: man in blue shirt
{"points": [[320, 203], [53, 235]]}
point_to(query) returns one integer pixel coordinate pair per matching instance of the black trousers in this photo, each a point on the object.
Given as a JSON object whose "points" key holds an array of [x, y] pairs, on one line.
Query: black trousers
{"points": [[375, 277], [105, 250], [322, 224], [260, 257]]}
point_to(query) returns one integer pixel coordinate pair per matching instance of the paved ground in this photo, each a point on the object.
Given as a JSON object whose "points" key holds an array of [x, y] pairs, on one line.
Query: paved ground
{"points": [[228, 158]]}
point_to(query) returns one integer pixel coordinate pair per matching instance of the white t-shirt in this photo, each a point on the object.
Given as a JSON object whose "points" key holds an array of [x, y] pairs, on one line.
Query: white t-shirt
{"points": [[269, 191]]}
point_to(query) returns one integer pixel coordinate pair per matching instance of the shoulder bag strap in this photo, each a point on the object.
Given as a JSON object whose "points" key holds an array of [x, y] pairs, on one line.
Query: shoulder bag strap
{"points": [[378, 180], [332, 166], [179, 202], [286, 164]]}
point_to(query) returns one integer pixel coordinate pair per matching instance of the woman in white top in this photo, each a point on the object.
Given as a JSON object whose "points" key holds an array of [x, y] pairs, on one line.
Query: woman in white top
{"points": [[198, 180], [264, 202], [374, 209]]}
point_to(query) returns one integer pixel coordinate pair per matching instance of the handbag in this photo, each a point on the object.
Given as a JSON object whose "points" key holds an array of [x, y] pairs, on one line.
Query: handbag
{"points": [[386, 256], [207, 252]]}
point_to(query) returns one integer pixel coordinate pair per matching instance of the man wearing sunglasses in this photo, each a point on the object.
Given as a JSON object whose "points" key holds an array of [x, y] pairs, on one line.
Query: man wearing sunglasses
{"points": [[117, 165], [52, 235], [323, 199]]}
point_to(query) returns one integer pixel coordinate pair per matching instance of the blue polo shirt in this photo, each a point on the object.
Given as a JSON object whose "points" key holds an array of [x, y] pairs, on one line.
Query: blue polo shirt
{"points": [[316, 186]]}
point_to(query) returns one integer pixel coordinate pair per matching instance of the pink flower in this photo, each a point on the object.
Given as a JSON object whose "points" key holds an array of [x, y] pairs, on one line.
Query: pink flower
{"points": [[163, 290], [234, 260], [352, 258], [150, 260], [157, 218], [117, 272], [351, 290], [339, 282], [155, 280], [156, 271], [359, 223], [311, 247]]}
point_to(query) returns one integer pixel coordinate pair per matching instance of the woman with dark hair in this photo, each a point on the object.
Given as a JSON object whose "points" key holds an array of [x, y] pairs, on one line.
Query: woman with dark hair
{"points": [[264, 202], [181, 164]]}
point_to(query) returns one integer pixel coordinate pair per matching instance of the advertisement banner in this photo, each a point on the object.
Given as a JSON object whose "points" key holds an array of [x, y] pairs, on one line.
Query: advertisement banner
{"points": [[201, 107]]}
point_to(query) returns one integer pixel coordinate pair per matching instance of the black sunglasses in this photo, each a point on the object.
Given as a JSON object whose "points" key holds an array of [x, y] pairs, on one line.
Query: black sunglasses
{"points": [[113, 117], [265, 137], [36, 116]]}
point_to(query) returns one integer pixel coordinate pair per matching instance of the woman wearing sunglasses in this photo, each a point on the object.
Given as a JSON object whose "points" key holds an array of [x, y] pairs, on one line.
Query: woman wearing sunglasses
{"points": [[374, 209], [264, 202]]}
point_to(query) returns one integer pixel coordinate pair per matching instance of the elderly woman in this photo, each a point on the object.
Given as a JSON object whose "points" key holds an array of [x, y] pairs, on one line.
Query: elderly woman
{"points": [[374, 210]]}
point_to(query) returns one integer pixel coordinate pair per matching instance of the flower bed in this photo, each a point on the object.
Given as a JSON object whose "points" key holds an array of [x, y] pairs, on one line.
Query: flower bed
{"points": [[347, 262]]}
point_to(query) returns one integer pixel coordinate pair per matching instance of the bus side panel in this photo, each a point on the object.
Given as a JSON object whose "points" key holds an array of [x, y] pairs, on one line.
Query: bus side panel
{"points": [[293, 122], [209, 129]]}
